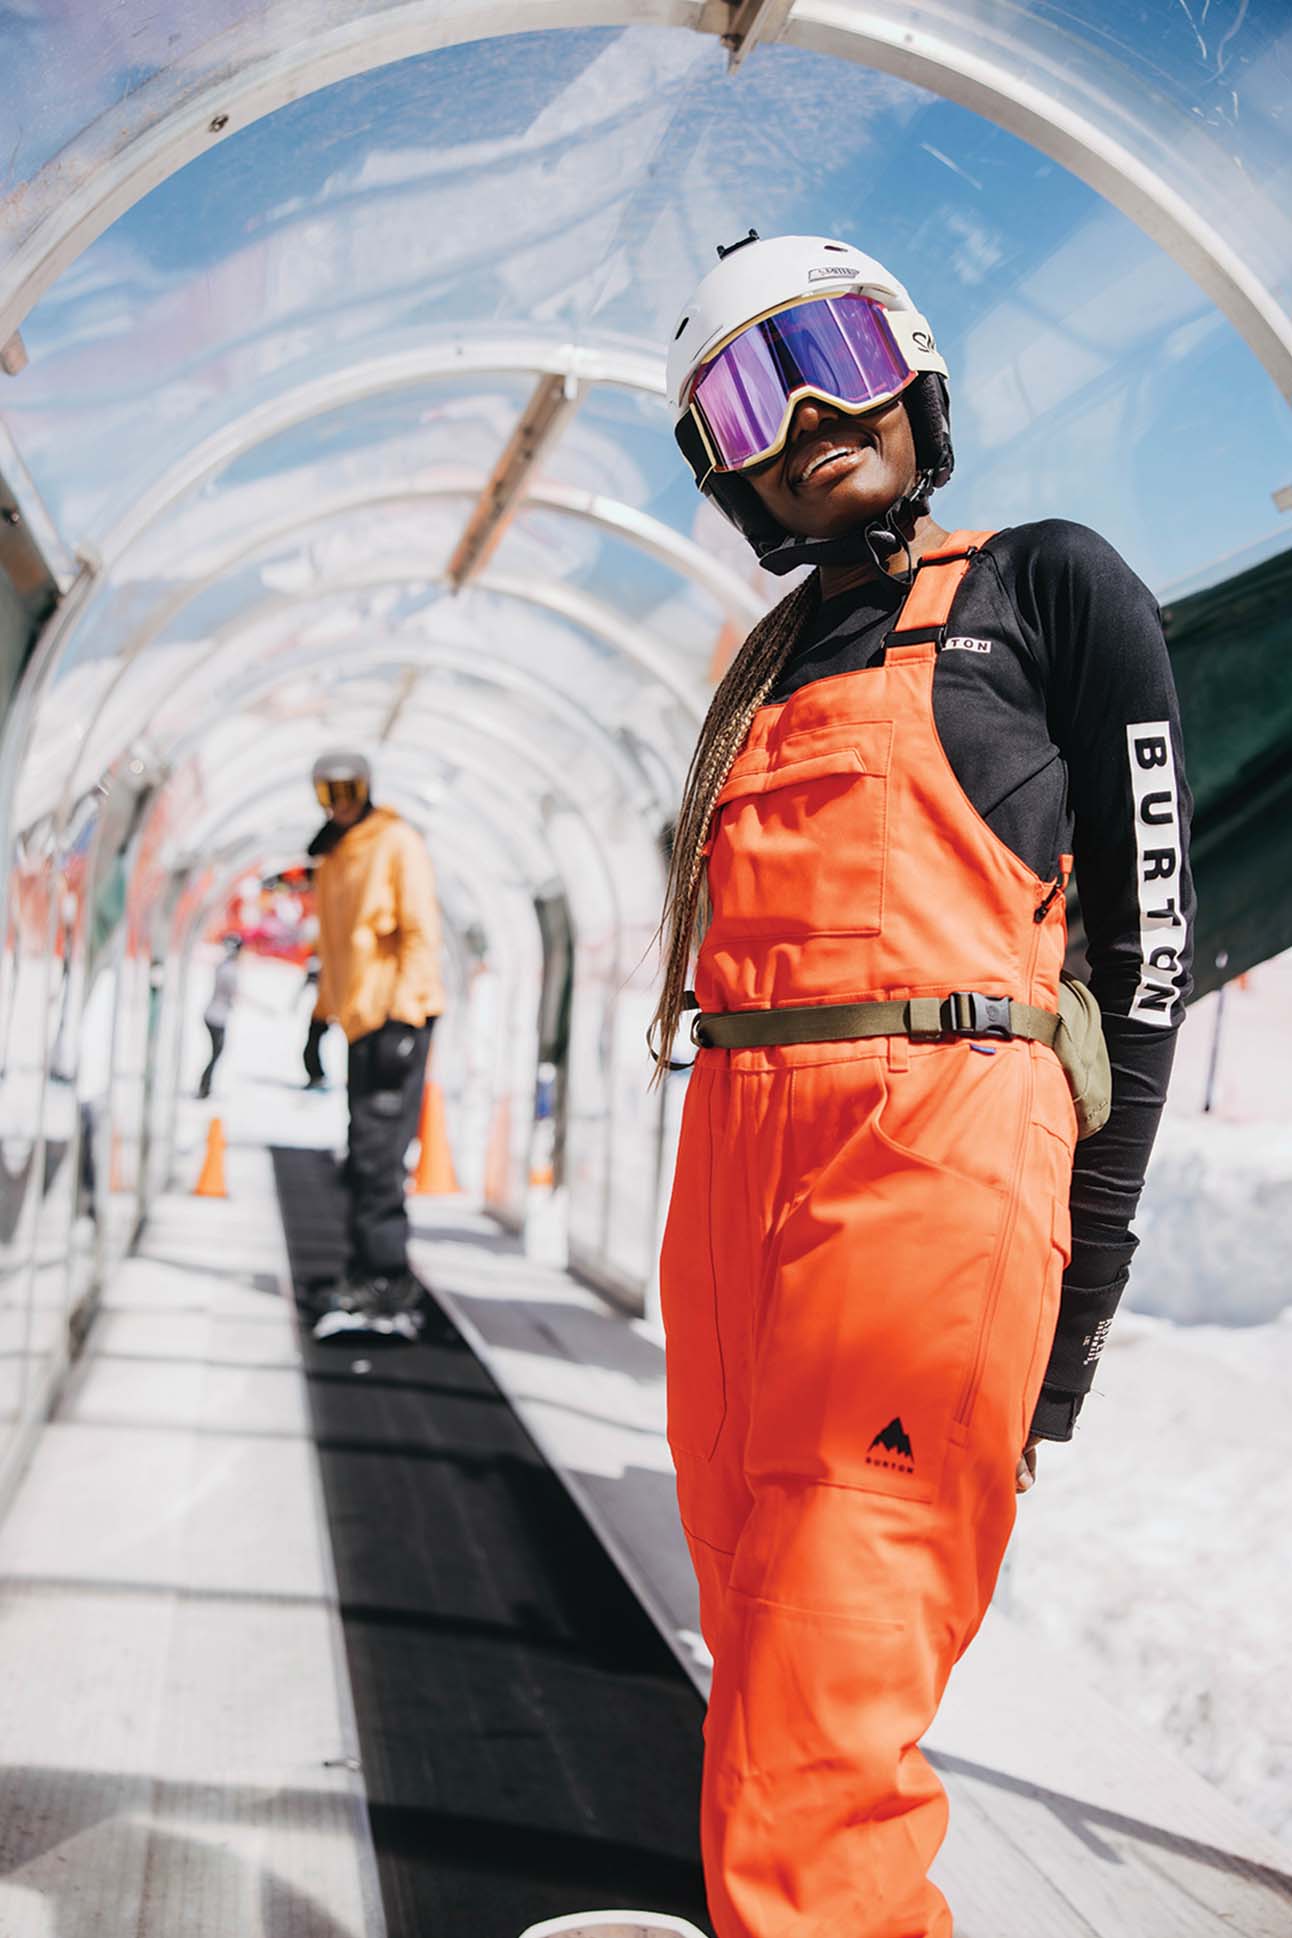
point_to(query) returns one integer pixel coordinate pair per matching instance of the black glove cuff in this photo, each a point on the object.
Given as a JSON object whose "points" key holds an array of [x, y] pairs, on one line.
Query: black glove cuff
{"points": [[1085, 1316], [1055, 1415]]}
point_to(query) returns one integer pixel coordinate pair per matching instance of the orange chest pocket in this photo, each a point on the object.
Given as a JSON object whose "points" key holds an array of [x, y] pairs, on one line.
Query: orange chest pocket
{"points": [[800, 833]]}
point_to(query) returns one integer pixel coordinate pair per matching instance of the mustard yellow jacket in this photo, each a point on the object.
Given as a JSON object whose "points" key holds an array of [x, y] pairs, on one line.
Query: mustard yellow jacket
{"points": [[379, 928]]}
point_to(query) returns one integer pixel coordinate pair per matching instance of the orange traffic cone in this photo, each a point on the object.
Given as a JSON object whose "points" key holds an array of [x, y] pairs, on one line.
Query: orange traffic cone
{"points": [[434, 1176], [211, 1182]]}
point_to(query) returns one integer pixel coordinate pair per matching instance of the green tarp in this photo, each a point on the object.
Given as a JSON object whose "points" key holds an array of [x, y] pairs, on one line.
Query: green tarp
{"points": [[1231, 648]]}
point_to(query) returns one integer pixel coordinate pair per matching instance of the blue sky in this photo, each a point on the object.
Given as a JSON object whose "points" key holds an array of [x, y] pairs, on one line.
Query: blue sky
{"points": [[572, 186]]}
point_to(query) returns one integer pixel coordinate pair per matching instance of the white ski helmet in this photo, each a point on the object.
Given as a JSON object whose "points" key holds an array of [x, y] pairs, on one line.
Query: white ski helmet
{"points": [[341, 775], [882, 349]]}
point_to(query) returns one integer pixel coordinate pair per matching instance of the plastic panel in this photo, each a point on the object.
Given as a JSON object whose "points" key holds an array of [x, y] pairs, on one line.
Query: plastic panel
{"points": [[269, 392]]}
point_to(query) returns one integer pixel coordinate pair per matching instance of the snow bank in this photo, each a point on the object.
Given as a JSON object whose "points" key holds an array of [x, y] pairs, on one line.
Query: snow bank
{"points": [[1156, 1550], [1215, 1223]]}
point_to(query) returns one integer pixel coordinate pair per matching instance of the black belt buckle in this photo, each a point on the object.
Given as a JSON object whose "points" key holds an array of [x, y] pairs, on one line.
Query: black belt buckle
{"points": [[966, 1013]]}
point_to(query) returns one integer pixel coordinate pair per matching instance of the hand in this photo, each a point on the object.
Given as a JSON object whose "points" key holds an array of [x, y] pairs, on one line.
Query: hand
{"points": [[394, 1052], [1025, 1478], [312, 1059]]}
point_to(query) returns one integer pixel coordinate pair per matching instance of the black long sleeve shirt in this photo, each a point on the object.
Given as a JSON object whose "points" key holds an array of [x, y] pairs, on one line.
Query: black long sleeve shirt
{"points": [[1055, 702]]}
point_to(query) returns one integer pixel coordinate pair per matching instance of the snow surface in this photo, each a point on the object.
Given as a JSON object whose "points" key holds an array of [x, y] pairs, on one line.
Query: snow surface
{"points": [[1156, 1550]]}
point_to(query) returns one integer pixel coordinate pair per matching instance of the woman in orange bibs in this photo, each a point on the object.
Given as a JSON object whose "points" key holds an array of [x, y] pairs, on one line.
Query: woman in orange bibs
{"points": [[883, 1280]]}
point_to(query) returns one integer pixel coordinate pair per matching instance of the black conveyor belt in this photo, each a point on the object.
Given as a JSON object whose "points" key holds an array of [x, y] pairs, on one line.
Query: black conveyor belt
{"points": [[529, 1744]]}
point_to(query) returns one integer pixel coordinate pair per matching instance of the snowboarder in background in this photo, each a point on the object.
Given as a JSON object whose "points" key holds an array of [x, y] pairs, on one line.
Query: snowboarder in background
{"points": [[379, 978], [224, 992]]}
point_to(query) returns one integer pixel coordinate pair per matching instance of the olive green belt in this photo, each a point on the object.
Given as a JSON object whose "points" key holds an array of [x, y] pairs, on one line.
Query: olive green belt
{"points": [[925, 1019]]}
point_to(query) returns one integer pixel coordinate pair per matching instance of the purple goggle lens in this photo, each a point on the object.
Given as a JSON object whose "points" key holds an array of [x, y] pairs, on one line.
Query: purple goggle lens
{"points": [[839, 346]]}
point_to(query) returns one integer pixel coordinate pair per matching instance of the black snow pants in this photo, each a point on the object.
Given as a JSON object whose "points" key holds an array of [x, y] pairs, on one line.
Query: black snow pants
{"points": [[216, 1033], [383, 1123]]}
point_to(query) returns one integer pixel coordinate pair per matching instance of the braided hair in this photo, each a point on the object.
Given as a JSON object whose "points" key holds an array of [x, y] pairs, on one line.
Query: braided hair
{"points": [[748, 680]]}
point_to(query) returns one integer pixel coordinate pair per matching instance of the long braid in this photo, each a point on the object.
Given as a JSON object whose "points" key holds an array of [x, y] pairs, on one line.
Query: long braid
{"points": [[748, 680]]}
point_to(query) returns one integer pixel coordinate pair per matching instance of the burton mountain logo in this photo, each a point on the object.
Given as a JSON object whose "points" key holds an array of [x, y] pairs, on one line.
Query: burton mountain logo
{"points": [[891, 1447]]}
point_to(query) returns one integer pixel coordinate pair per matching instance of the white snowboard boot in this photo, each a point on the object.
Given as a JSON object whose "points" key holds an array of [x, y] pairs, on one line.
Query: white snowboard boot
{"points": [[613, 1924]]}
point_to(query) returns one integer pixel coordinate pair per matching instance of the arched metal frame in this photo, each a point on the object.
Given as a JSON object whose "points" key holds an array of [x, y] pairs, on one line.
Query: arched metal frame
{"points": [[579, 609], [394, 782], [353, 383], [124, 155], [985, 76], [477, 664], [657, 540]]}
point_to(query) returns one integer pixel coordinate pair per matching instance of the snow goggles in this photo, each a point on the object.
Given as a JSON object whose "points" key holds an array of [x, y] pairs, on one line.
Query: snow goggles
{"points": [[838, 348], [333, 794]]}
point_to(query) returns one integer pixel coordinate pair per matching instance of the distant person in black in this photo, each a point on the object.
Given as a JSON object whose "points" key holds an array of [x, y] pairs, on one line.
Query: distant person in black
{"points": [[224, 992], [312, 1055]]}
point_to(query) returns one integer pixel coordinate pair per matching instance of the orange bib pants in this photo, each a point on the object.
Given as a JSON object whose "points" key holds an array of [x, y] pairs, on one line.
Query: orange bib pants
{"points": [[860, 1282]]}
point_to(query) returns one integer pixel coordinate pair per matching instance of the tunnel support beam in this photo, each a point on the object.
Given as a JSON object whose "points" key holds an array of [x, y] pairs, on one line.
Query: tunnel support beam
{"points": [[753, 22], [554, 400]]}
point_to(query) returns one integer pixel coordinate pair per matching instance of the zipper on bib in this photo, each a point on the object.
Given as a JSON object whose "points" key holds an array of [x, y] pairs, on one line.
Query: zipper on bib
{"points": [[973, 1380], [1057, 888]]}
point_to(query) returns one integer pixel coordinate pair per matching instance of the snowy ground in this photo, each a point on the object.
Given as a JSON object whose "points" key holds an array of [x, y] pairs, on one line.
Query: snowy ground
{"points": [[1157, 1549]]}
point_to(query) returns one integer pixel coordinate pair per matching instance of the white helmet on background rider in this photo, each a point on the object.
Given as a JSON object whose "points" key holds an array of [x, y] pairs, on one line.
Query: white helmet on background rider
{"points": [[340, 777], [795, 317]]}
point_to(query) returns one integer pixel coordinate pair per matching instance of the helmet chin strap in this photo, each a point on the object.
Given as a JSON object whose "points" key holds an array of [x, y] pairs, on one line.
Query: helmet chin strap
{"points": [[876, 543]]}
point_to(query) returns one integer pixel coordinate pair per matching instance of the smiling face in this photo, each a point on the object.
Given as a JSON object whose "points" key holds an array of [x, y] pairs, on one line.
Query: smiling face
{"points": [[837, 472]]}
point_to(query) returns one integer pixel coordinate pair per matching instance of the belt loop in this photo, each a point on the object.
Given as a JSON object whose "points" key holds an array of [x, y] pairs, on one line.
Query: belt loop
{"points": [[899, 1046]]}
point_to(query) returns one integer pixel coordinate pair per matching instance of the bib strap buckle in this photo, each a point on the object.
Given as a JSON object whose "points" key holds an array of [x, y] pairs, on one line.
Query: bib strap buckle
{"points": [[965, 1012]]}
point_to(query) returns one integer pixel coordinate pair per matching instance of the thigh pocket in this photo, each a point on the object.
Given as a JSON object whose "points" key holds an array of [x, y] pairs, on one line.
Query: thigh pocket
{"points": [[697, 1391], [880, 1288]]}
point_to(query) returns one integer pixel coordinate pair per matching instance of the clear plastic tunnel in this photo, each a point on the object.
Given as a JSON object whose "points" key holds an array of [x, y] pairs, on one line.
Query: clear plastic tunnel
{"points": [[332, 410]]}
